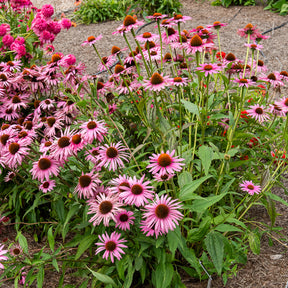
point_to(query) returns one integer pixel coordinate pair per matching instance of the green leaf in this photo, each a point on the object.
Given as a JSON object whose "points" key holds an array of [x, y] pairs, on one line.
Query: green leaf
{"points": [[254, 242], [276, 198], [271, 209], [22, 242], [51, 239], [200, 205], [173, 240], [184, 178], [205, 154], [215, 247], [186, 193], [102, 278], [84, 245], [198, 234], [60, 210], [55, 264], [70, 214], [227, 228], [164, 274], [138, 263], [40, 277], [191, 107]]}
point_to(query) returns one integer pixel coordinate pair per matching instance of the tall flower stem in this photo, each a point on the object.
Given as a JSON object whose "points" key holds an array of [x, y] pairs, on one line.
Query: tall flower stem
{"points": [[107, 68], [161, 43], [247, 54]]}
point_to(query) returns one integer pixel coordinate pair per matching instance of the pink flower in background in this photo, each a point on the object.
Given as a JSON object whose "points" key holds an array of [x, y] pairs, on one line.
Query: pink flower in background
{"points": [[47, 186], [44, 168], [157, 82], [87, 184], [209, 69], [124, 219], [248, 186], [47, 10], [92, 40], [93, 130], [66, 23], [2, 257], [258, 112], [112, 245]]}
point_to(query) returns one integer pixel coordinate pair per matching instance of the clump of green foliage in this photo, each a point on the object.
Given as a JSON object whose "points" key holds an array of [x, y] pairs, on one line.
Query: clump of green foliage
{"points": [[227, 3], [93, 11], [278, 6]]}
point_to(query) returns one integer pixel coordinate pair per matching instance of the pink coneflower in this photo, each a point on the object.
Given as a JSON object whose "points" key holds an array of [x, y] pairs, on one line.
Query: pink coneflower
{"points": [[51, 125], [44, 168], [162, 215], [2, 257], [49, 49], [16, 250], [17, 102], [157, 82], [278, 110], [106, 62], [254, 46], [283, 103], [147, 36], [8, 113], [112, 246], [258, 112], [112, 156], [10, 176], [138, 193], [118, 183], [91, 40], [209, 69], [124, 219], [157, 16], [248, 186], [5, 81], [274, 79], [179, 81], [77, 142], [243, 82], [165, 163], [178, 18], [61, 149], [15, 154], [170, 35], [167, 24], [47, 104], [249, 29], [155, 54], [129, 23], [93, 130], [91, 155], [163, 177], [196, 44], [104, 207], [47, 186], [87, 184], [217, 25]]}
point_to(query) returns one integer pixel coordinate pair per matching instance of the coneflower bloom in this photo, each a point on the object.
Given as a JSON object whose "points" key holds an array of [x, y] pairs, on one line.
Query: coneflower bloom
{"points": [[129, 23], [17, 102], [209, 69], [16, 250], [104, 207], [91, 40], [160, 177], [254, 46], [15, 154], [249, 29], [179, 81], [178, 18], [273, 79], [155, 54], [170, 35], [91, 155], [106, 62], [8, 113], [93, 130], [283, 103], [10, 176], [243, 82], [61, 149], [44, 168], [47, 104], [147, 36], [217, 25], [112, 245], [47, 186], [124, 219], [112, 156], [118, 183], [157, 16], [196, 44], [165, 163], [278, 110], [157, 82], [248, 186], [2, 257], [77, 142], [87, 184], [138, 193], [162, 215], [258, 112], [52, 125]]}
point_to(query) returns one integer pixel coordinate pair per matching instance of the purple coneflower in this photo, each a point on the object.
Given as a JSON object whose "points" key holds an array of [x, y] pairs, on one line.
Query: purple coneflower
{"points": [[2, 257], [163, 177], [124, 219], [138, 193], [87, 184], [44, 168], [254, 46], [129, 23], [178, 18], [209, 69], [47, 186], [258, 112], [165, 163], [179, 81], [112, 245], [162, 215], [15, 154], [157, 16], [157, 82], [93, 129], [217, 25], [170, 35], [147, 36], [112, 156], [118, 183], [196, 44], [248, 186], [243, 82], [274, 79], [104, 207], [91, 40]]}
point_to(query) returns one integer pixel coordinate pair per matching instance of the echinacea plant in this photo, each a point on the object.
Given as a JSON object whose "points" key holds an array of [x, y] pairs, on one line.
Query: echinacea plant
{"points": [[143, 171]]}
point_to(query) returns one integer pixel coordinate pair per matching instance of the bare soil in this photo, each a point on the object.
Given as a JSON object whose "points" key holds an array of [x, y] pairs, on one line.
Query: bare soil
{"points": [[269, 269]]}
